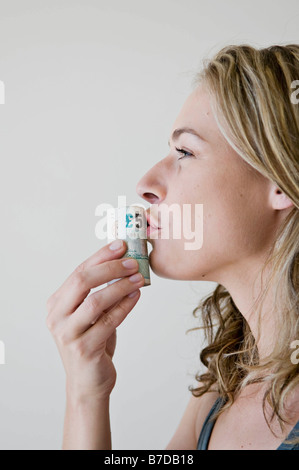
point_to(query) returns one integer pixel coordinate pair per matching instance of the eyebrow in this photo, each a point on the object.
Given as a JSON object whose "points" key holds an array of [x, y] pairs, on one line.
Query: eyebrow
{"points": [[177, 132]]}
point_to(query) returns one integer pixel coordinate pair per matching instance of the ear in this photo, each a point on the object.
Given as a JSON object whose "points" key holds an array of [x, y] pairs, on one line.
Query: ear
{"points": [[278, 199]]}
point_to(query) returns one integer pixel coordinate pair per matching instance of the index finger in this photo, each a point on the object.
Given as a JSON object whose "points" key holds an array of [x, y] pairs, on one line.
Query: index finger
{"points": [[109, 252], [106, 253]]}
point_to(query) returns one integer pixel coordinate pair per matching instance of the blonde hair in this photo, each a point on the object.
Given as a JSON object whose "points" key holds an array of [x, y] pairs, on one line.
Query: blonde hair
{"points": [[251, 90]]}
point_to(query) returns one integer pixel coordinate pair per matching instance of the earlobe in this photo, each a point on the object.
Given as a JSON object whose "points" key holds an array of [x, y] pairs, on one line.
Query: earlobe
{"points": [[280, 200]]}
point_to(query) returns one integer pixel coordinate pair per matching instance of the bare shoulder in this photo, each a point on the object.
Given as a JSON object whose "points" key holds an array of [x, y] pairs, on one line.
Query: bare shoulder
{"points": [[188, 430]]}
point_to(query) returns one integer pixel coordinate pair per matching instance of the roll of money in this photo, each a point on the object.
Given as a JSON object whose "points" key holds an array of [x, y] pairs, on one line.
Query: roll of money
{"points": [[129, 223]]}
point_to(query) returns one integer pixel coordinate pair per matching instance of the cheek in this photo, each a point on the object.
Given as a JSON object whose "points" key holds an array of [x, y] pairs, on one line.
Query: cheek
{"points": [[236, 221]]}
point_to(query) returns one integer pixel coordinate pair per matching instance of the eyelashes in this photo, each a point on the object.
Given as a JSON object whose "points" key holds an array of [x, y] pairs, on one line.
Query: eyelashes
{"points": [[184, 153]]}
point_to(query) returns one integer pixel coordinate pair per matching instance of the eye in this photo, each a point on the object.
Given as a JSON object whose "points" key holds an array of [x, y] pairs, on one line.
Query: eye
{"points": [[184, 152]]}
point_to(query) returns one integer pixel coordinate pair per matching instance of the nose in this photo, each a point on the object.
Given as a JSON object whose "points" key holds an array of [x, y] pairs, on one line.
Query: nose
{"points": [[151, 186]]}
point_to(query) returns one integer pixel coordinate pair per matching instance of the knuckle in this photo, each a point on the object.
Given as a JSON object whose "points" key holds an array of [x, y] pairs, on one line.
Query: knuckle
{"points": [[124, 287], [78, 348], [62, 337], [108, 320], [80, 268], [110, 267], [92, 304], [78, 279], [50, 323], [122, 309]]}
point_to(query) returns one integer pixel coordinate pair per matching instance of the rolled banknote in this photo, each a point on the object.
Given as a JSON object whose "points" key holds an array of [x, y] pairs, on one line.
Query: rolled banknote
{"points": [[129, 223]]}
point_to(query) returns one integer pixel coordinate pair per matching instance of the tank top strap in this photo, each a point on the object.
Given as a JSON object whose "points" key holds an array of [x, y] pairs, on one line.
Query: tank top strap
{"points": [[294, 433], [205, 434]]}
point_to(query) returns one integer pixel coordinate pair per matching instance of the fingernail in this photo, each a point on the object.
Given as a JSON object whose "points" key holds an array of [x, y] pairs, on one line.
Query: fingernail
{"points": [[133, 294], [136, 277], [130, 263], [116, 245]]}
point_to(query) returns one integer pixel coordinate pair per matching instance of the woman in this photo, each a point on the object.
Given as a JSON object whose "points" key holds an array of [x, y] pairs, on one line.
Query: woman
{"points": [[235, 149]]}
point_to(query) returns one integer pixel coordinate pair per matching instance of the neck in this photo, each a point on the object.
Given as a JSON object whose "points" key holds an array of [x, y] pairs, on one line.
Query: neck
{"points": [[247, 289]]}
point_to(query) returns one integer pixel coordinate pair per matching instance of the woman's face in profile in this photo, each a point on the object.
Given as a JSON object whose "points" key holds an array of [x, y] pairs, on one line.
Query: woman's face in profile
{"points": [[237, 215]]}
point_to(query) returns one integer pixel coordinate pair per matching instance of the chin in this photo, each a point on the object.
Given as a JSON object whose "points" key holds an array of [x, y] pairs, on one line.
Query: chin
{"points": [[181, 268], [162, 269], [158, 266]]}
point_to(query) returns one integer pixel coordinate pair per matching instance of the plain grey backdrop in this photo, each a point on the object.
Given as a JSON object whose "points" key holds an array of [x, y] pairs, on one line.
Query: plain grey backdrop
{"points": [[92, 89]]}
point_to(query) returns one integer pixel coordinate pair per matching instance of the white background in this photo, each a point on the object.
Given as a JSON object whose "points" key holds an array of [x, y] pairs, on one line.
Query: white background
{"points": [[92, 91]]}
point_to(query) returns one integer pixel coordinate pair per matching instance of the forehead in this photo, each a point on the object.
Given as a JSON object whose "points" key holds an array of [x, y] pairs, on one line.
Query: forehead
{"points": [[197, 114]]}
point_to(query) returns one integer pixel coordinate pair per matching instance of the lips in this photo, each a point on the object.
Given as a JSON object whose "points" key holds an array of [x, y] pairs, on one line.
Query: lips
{"points": [[151, 222]]}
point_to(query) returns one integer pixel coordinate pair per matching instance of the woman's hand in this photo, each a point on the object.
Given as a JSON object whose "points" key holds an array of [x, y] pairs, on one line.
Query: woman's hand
{"points": [[84, 326]]}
